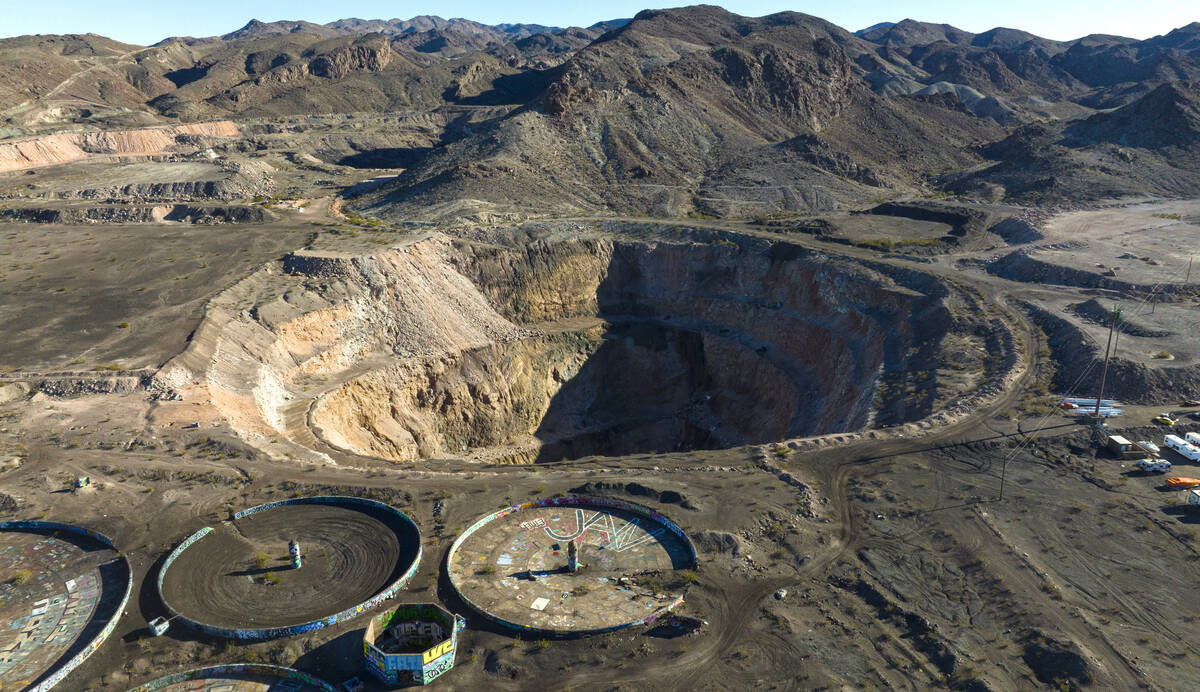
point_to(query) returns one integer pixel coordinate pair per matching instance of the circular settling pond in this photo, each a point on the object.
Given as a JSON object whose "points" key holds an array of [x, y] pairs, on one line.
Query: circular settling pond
{"points": [[236, 580], [512, 565], [60, 590]]}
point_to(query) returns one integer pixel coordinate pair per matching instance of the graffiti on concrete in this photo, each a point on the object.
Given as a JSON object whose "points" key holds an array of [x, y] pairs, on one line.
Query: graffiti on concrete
{"points": [[67, 613], [225, 678], [614, 534], [582, 521], [437, 652], [437, 667]]}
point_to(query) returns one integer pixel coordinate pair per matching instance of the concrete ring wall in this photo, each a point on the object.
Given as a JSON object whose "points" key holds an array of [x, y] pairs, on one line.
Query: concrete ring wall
{"points": [[234, 669], [276, 632], [567, 501], [100, 638]]}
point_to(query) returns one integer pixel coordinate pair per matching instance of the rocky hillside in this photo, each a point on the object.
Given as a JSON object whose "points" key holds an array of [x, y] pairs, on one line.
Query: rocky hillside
{"points": [[701, 110], [689, 110], [277, 68], [1012, 75], [1150, 146]]}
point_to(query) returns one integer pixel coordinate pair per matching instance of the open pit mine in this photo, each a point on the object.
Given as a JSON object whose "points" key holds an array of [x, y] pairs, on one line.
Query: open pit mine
{"points": [[538, 345]]}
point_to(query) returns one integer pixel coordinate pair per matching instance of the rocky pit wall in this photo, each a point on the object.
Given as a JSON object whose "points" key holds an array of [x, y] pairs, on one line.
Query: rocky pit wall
{"points": [[540, 348], [330, 316], [50, 150]]}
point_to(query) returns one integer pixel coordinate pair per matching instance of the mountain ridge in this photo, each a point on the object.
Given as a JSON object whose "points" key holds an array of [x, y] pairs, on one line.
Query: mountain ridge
{"points": [[675, 111]]}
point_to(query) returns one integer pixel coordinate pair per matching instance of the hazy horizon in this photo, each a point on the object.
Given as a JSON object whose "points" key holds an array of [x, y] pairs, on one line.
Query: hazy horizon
{"points": [[144, 23]]}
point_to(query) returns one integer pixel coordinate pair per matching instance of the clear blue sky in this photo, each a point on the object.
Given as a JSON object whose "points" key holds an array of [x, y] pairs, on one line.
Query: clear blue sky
{"points": [[146, 21]]}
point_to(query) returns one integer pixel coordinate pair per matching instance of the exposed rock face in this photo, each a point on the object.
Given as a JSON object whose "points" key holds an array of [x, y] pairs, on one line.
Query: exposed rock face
{"points": [[403, 303], [150, 140], [39, 151], [482, 397], [701, 347], [532, 345], [51, 150], [694, 109], [368, 54]]}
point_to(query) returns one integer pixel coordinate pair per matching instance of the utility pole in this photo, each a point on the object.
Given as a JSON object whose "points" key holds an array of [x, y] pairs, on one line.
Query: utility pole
{"points": [[1004, 470], [1112, 327]]}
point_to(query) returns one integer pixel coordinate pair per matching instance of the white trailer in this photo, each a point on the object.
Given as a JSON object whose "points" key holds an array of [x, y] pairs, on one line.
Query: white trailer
{"points": [[1185, 449], [1154, 465]]}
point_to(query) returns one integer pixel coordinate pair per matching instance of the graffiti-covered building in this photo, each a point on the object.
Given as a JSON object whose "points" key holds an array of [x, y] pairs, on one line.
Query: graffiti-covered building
{"points": [[414, 642]]}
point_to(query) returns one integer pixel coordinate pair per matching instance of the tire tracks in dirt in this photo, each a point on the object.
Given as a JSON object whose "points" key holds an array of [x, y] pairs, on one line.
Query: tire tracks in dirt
{"points": [[834, 478]]}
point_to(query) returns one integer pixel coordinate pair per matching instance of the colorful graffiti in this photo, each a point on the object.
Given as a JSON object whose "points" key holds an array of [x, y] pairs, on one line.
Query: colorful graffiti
{"points": [[435, 668], [82, 588], [276, 632], [617, 538], [421, 621], [283, 678]]}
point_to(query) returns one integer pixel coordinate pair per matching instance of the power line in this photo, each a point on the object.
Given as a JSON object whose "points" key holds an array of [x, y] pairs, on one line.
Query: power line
{"points": [[1028, 438]]}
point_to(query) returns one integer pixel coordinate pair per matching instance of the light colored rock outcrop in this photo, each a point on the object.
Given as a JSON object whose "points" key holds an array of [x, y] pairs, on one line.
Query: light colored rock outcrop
{"points": [[50, 150]]}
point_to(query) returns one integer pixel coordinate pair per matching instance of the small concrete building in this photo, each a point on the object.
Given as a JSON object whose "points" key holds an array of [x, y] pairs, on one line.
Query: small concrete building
{"points": [[411, 643], [1124, 449]]}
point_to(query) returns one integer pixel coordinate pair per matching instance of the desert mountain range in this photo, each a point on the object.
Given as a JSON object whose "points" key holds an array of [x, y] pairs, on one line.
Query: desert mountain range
{"points": [[685, 110]]}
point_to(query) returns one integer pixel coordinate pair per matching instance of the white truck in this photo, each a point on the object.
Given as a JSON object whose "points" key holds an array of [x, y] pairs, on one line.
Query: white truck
{"points": [[1185, 449], [1193, 438]]}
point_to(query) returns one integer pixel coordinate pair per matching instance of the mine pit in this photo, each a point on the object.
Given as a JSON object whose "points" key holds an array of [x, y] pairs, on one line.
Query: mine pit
{"points": [[617, 347]]}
